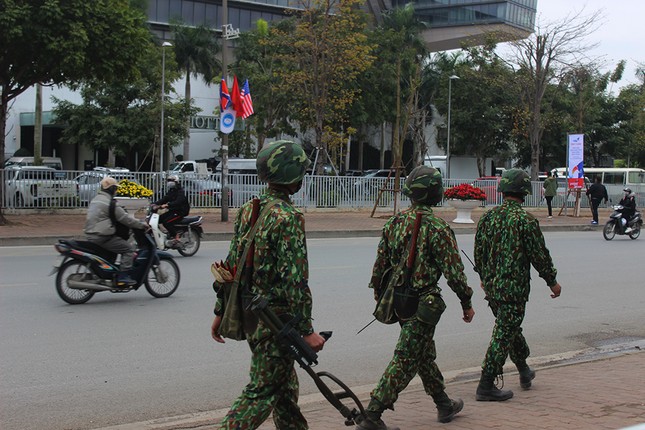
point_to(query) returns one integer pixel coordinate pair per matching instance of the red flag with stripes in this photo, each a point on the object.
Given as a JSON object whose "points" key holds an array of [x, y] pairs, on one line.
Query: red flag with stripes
{"points": [[247, 102]]}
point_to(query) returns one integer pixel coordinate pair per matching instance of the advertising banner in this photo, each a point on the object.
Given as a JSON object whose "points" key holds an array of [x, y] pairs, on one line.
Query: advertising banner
{"points": [[575, 161]]}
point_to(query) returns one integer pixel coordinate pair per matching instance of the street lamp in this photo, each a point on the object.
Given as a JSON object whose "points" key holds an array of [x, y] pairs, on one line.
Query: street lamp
{"points": [[448, 139], [163, 96]]}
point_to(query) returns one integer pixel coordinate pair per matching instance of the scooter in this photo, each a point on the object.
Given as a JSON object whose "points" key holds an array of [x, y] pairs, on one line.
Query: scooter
{"points": [[614, 226], [189, 229], [86, 268]]}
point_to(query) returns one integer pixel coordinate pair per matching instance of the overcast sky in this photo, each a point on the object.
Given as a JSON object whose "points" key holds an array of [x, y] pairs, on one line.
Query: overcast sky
{"points": [[620, 37]]}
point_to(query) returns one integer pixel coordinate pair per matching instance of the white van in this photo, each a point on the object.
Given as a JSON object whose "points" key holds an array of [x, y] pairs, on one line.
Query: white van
{"points": [[243, 181], [53, 162], [245, 166]]}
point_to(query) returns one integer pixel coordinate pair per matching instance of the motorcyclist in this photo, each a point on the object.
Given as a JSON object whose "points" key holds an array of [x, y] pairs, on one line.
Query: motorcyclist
{"points": [[100, 229], [177, 204], [628, 202]]}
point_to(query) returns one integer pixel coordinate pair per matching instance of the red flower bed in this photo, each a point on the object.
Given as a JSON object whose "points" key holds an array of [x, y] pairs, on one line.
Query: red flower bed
{"points": [[465, 192]]}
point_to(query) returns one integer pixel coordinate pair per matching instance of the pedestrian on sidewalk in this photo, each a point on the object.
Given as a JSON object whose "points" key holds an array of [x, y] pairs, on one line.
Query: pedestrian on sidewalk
{"points": [[507, 242], [280, 274], [436, 253], [597, 192], [550, 190]]}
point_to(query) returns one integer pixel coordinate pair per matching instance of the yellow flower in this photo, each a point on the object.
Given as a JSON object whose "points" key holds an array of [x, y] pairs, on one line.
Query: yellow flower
{"points": [[128, 188]]}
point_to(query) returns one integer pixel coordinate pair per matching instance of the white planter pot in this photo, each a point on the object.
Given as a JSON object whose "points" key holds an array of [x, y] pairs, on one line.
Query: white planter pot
{"points": [[132, 204], [464, 210]]}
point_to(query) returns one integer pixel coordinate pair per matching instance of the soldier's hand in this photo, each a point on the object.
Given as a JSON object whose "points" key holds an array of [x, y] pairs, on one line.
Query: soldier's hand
{"points": [[468, 314], [556, 290], [315, 341], [215, 329]]}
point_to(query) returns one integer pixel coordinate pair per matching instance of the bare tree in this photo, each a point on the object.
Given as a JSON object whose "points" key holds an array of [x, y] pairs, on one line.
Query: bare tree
{"points": [[544, 56]]}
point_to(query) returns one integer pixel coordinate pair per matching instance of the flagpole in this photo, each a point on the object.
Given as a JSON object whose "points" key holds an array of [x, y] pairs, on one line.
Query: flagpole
{"points": [[224, 179]]}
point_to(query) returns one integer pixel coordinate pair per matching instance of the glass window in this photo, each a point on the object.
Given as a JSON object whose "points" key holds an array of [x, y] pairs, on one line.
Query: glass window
{"points": [[636, 177], [614, 178]]}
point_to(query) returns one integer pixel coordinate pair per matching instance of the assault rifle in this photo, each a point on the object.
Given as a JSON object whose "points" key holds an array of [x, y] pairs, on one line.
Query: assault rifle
{"points": [[287, 336]]}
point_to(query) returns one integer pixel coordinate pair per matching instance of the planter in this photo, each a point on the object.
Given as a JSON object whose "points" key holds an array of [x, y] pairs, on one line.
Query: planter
{"points": [[132, 204], [464, 210]]}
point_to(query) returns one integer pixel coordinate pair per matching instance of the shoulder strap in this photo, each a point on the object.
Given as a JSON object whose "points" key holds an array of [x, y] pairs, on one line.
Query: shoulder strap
{"points": [[251, 236], [112, 212]]}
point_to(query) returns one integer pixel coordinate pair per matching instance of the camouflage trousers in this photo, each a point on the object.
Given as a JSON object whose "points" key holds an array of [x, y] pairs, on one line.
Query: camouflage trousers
{"points": [[507, 338], [273, 387], [415, 353]]}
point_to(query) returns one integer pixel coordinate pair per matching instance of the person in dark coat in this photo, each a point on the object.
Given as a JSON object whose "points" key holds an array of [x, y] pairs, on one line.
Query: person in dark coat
{"points": [[597, 192], [177, 204]]}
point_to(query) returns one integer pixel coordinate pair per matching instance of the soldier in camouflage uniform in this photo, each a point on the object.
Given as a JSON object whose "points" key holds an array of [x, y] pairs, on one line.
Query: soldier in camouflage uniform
{"points": [[508, 241], [280, 274], [437, 253]]}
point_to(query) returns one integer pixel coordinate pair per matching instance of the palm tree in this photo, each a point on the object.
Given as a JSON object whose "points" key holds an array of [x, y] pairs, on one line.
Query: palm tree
{"points": [[408, 49], [196, 52]]}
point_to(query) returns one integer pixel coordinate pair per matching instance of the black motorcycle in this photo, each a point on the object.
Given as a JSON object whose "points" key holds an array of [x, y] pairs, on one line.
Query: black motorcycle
{"points": [[87, 268], [614, 226]]}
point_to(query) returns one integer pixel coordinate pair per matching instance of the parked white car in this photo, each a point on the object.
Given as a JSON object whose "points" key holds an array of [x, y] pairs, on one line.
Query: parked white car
{"points": [[38, 186]]}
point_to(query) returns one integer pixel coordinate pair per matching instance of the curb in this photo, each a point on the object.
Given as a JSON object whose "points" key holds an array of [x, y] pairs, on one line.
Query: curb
{"points": [[316, 234]]}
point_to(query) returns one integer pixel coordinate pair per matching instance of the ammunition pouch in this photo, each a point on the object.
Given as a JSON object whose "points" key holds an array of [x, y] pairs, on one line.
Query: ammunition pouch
{"points": [[431, 306], [406, 302]]}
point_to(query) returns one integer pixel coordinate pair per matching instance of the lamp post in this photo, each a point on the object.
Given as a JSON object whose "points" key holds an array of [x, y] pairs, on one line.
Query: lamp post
{"points": [[163, 96], [448, 138]]}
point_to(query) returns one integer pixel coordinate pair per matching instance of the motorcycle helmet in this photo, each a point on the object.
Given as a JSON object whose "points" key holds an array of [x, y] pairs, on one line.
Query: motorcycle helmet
{"points": [[424, 185], [627, 191], [515, 181], [282, 162], [173, 178]]}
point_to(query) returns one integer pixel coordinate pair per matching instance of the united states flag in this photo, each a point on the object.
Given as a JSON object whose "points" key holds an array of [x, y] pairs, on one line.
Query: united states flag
{"points": [[247, 103]]}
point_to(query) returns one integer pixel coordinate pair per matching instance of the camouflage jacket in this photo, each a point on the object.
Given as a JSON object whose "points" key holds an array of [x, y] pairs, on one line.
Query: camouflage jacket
{"points": [[280, 265], [437, 253], [507, 242]]}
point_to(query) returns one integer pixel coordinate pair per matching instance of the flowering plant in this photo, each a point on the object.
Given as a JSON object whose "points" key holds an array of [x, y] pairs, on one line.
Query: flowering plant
{"points": [[132, 189], [465, 192]]}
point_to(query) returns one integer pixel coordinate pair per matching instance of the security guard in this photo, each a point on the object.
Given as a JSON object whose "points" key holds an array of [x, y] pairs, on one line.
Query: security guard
{"points": [[508, 241], [280, 274], [437, 254]]}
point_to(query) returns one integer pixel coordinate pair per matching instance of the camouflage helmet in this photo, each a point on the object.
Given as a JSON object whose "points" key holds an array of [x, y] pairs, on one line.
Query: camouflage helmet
{"points": [[282, 162], [515, 181], [424, 185]]}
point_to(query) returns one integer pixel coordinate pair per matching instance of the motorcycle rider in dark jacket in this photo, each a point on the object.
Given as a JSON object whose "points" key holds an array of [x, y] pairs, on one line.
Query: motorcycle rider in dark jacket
{"points": [[628, 202], [177, 204]]}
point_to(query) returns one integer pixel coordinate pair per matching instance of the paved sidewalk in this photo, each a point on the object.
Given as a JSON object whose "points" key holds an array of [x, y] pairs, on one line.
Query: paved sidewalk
{"points": [[591, 389], [45, 228]]}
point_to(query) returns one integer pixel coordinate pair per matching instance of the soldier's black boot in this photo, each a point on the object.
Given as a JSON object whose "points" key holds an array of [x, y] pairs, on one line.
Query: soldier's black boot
{"points": [[373, 421], [446, 407], [526, 376], [487, 391]]}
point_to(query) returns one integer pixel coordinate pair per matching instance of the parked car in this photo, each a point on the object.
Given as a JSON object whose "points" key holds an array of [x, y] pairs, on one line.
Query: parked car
{"points": [[89, 182], [53, 162], [38, 186], [368, 185], [202, 192]]}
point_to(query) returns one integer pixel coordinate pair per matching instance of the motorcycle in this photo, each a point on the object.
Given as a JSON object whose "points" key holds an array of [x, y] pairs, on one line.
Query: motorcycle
{"points": [[87, 268], [614, 226], [189, 229]]}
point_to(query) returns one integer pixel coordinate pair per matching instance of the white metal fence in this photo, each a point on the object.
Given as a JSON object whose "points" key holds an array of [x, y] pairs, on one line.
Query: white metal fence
{"points": [[75, 189]]}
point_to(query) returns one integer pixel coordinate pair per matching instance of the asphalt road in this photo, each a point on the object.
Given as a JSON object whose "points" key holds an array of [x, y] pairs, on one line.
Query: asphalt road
{"points": [[129, 357]]}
